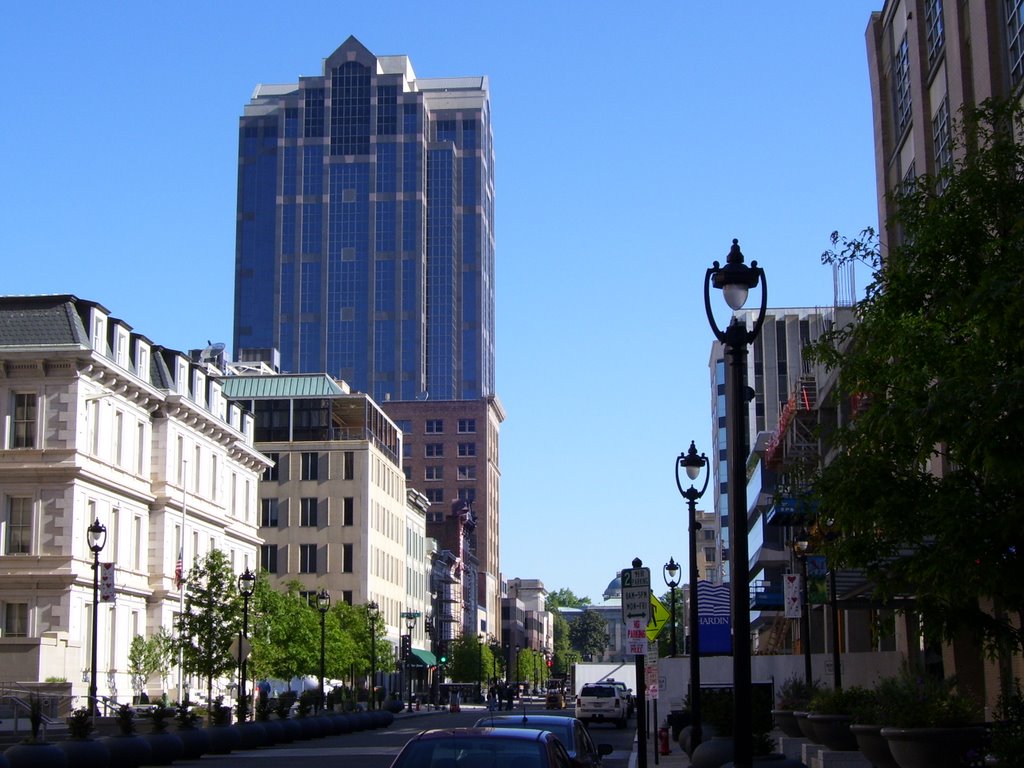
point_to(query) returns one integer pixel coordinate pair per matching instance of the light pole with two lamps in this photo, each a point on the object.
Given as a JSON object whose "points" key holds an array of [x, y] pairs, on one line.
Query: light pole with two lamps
{"points": [[410, 625], [735, 280], [480, 671], [97, 539], [246, 585], [693, 464], [323, 604]]}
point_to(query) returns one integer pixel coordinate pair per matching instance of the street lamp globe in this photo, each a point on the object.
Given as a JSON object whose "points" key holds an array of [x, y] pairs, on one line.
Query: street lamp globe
{"points": [[323, 601], [246, 583], [97, 536], [671, 573]]}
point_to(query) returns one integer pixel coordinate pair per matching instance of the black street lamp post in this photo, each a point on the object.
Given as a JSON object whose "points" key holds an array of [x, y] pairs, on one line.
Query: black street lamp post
{"points": [[693, 464], [97, 539], [670, 572], [800, 547], [735, 280], [494, 661], [323, 604], [371, 612], [246, 585], [410, 625]]}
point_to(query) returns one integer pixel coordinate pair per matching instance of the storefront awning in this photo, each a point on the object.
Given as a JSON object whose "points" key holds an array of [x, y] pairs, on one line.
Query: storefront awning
{"points": [[420, 658]]}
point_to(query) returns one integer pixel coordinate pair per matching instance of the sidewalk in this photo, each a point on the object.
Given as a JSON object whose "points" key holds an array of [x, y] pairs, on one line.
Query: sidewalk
{"points": [[677, 758]]}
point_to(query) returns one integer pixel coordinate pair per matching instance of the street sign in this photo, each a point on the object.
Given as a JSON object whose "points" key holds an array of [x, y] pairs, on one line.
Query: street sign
{"points": [[659, 618], [241, 650], [636, 637], [636, 594]]}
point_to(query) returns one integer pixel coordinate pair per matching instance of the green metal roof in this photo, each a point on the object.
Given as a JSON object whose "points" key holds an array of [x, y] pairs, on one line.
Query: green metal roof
{"points": [[282, 386], [422, 658]]}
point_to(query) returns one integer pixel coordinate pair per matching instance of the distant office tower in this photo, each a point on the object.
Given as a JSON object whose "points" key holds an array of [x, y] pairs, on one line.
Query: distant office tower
{"points": [[365, 250], [365, 234]]}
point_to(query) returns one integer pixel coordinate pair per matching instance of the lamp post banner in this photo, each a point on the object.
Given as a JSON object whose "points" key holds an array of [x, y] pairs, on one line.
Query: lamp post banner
{"points": [[714, 619], [817, 569], [107, 582], [791, 595]]}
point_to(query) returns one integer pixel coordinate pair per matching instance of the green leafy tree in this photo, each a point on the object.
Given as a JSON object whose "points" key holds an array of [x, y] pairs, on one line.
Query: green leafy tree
{"points": [[211, 619], [565, 598], [162, 646], [588, 634], [468, 658], [142, 663], [925, 488], [561, 658]]}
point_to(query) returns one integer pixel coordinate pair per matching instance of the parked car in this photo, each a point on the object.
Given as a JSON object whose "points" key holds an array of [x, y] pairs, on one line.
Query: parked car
{"points": [[483, 748], [602, 702], [570, 731], [626, 693]]}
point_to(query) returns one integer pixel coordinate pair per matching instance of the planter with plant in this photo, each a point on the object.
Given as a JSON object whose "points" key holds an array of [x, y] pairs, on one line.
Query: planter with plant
{"points": [[224, 737], [80, 747], [253, 734], [304, 709], [195, 741], [928, 722], [166, 745], [127, 749], [717, 747], [35, 751], [292, 730], [794, 696], [831, 712], [272, 728]]}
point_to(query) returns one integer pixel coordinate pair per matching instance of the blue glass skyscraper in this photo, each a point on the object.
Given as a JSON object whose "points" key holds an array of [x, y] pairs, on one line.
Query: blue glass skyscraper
{"points": [[365, 228]]}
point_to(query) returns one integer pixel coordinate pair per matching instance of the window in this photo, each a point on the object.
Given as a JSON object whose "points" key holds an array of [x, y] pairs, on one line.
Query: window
{"points": [[19, 526], [140, 448], [467, 472], [348, 511], [23, 428], [268, 558], [433, 450], [434, 426], [467, 449], [405, 425], [709, 554], [901, 85], [346, 596], [268, 513], [349, 468], [347, 559], [433, 473], [307, 558], [118, 438], [941, 138], [467, 494], [934, 30], [310, 466], [16, 620], [307, 512], [1015, 38], [435, 495], [270, 473], [196, 474], [467, 426]]}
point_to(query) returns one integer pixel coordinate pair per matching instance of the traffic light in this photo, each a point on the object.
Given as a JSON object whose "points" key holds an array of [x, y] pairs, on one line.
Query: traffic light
{"points": [[442, 653], [406, 647]]}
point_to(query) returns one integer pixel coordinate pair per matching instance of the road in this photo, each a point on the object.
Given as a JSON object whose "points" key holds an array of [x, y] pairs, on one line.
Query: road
{"points": [[376, 749]]}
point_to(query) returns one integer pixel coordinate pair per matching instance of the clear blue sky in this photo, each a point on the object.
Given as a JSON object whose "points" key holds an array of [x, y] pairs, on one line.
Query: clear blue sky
{"points": [[633, 141]]}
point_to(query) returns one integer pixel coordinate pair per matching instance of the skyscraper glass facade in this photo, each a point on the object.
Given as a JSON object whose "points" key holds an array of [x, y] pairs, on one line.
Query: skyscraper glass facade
{"points": [[365, 230]]}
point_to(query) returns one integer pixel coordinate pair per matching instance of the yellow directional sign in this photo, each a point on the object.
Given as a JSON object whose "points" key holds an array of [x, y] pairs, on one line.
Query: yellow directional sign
{"points": [[659, 618]]}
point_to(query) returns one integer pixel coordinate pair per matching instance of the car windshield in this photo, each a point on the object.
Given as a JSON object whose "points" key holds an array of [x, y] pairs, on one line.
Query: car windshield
{"points": [[601, 691], [481, 752]]}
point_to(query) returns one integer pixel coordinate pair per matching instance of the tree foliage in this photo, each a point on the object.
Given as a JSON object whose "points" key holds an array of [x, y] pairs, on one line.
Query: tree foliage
{"points": [[211, 619], [925, 488], [565, 598], [588, 634]]}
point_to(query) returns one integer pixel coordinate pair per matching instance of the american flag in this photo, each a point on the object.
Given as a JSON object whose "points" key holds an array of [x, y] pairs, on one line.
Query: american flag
{"points": [[179, 578]]}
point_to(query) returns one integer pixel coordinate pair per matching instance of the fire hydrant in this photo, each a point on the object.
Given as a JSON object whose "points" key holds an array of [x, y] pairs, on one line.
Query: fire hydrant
{"points": [[663, 744]]}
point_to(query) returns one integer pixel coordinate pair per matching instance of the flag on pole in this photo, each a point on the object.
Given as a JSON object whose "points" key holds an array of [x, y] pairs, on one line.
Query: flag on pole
{"points": [[179, 577]]}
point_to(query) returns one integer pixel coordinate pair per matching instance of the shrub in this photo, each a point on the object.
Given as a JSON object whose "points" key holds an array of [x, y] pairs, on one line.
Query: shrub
{"points": [[158, 716], [859, 703], [80, 723], [915, 699], [308, 700], [185, 715], [796, 693], [125, 718], [284, 704], [1008, 730], [220, 713]]}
